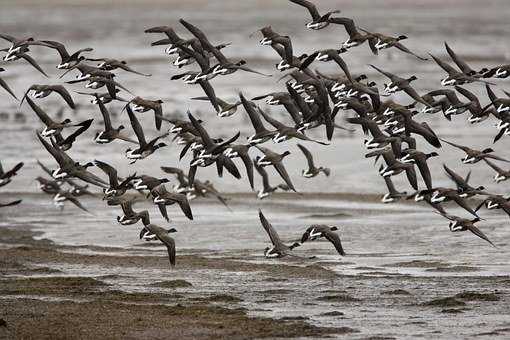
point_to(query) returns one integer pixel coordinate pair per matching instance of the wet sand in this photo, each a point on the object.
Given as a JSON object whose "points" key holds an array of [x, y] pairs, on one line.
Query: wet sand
{"points": [[49, 291]]}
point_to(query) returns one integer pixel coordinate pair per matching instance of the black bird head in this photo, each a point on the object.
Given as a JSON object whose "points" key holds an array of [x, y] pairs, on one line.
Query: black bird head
{"points": [[483, 70], [402, 37], [159, 101], [372, 83], [488, 150], [121, 127], [286, 153], [160, 145], [66, 121], [361, 77], [412, 78], [342, 50], [2, 69], [333, 228], [164, 180], [241, 62], [171, 230], [481, 187], [432, 154]]}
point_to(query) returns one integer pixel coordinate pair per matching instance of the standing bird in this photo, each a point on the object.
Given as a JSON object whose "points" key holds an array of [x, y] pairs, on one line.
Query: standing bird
{"points": [[312, 170], [162, 235], [279, 249], [318, 21], [317, 231]]}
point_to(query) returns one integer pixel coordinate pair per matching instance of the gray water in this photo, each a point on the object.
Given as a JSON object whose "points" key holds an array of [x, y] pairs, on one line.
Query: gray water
{"points": [[376, 236]]}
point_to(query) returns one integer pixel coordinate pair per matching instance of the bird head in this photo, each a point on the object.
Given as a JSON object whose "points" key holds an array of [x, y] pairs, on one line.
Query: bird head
{"points": [[361, 77], [402, 37], [241, 62], [412, 78], [121, 127], [160, 145], [159, 101], [481, 187], [333, 228], [171, 230], [66, 121], [342, 50], [488, 150], [372, 83], [432, 154], [164, 180], [286, 153]]}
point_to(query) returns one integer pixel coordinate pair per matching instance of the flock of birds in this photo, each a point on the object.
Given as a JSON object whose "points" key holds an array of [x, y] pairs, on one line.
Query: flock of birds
{"points": [[311, 99]]}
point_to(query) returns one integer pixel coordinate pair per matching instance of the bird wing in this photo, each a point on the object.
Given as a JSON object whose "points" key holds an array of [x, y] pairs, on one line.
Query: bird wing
{"points": [[348, 23], [206, 139], [273, 235], [283, 173], [10, 204], [104, 112], [7, 88], [314, 13], [248, 164], [62, 91], [387, 74], [32, 62], [404, 49], [110, 171], [333, 237], [209, 91], [459, 62], [493, 166], [446, 67], [137, 128], [308, 155], [336, 57], [43, 116], [458, 146], [479, 233]]}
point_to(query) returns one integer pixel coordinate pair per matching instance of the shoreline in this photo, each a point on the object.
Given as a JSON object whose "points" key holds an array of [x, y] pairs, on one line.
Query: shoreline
{"points": [[29, 285]]}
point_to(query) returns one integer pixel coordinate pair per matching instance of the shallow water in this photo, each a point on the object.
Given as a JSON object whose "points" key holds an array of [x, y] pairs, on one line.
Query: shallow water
{"points": [[381, 240]]}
